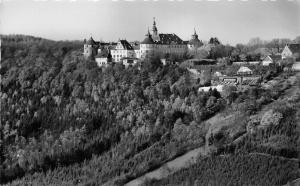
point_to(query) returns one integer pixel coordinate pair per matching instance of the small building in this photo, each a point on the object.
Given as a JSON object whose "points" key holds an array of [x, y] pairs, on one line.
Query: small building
{"points": [[271, 59], [127, 61], [230, 80], [244, 71], [291, 51], [103, 58]]}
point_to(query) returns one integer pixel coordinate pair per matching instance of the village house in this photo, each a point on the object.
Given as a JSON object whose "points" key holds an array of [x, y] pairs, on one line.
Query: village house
{"points": [[244, 71], [291, 51], [271, 59]]}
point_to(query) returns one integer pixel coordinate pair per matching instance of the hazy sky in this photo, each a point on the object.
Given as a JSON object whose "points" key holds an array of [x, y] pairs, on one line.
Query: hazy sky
{"points": [[231, 21]]}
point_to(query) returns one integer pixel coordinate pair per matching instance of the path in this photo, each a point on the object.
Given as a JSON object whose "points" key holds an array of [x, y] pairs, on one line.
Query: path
{"points": [[170, 167]]}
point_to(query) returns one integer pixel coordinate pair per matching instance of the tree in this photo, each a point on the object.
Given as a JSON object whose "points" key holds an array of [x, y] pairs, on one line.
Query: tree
{"points": [[214, 41], [297, 39], [257, 42]]}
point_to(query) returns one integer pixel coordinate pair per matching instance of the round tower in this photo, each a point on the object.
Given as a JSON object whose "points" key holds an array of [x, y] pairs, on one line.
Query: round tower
{"points": [[147, 46], [90, 48]]}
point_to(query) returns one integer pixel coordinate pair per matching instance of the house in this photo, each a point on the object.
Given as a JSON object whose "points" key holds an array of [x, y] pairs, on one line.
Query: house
{"points": [[244, 71], [271, 59], [291, 51], [230, 80], [103, 58], [296, 66]]}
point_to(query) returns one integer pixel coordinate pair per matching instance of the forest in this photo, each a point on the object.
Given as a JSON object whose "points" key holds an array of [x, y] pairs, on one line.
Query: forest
{"points": [[65, 121]]}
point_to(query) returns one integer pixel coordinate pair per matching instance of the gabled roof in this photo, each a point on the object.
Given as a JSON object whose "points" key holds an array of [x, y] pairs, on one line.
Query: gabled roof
{"points": [[275, 58], [294, 48], [169, 39], [126, 45], [244, 69]]}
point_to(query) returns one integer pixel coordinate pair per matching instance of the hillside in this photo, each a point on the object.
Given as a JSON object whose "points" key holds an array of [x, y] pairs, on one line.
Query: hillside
{"points": [[65, 121]]}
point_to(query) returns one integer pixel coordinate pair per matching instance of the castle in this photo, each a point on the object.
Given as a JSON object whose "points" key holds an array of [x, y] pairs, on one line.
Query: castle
{"points": [[159, 43]]}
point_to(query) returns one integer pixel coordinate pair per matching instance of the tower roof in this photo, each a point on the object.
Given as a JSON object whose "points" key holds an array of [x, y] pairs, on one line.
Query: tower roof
{"points": [[195, 40], [91, 41], [148, 39]]}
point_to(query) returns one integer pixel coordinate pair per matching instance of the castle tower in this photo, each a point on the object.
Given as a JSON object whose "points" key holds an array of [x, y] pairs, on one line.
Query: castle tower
{"points": [[194, 43], [195, 36], [147, 46], [90, 48]]}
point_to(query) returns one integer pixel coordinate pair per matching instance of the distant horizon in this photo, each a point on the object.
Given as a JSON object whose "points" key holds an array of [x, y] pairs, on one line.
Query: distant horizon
{"points": [[106, 41], [231, 22]]}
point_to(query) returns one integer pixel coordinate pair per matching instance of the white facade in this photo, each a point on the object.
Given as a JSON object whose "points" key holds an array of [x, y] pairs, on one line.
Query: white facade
{"points": [[122, 51], [101, 61], [267, 61]]}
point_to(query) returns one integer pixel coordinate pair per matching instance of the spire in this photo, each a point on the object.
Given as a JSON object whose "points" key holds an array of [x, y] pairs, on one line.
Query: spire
{"points": [[148, 33], [154, 28], [195, 36]]}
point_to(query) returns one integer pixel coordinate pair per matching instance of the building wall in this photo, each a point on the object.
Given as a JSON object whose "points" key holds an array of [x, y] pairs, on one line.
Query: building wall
{"points": [[147, 50], [118, 54], [267, 61]]}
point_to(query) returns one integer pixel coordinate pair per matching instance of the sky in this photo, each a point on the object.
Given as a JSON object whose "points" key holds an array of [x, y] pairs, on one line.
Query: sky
{"points": [[233, 22]]}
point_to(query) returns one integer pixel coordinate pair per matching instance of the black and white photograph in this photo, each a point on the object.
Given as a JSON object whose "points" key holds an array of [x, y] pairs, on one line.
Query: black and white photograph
{"points": [[150, 92]]}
